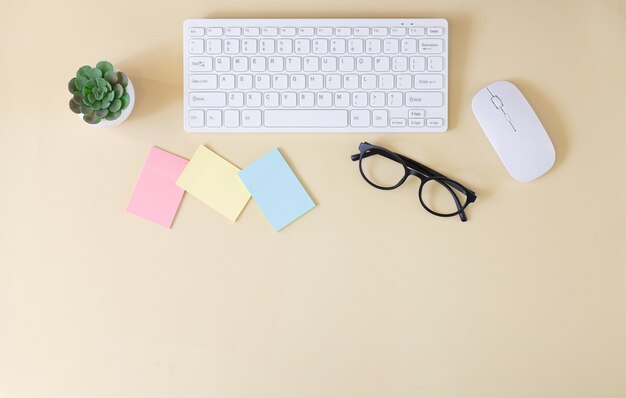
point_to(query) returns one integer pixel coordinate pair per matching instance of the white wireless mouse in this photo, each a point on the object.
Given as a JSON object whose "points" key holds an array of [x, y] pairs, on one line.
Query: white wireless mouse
{"points": [[514, 130]]}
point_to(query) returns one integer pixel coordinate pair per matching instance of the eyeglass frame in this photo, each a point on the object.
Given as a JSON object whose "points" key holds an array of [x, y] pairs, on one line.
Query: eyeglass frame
{"points": [[416, 169]]}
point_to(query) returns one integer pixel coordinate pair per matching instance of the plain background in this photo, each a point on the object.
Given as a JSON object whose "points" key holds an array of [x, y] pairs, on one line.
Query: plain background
{"points": [[367, 295]]}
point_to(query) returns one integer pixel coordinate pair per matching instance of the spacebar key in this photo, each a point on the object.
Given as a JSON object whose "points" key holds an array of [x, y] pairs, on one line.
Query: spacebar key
{"points": [[306, 118]]}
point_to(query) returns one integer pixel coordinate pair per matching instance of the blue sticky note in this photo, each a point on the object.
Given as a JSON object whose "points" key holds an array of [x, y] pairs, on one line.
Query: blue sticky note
{"points": [[276, 189]]}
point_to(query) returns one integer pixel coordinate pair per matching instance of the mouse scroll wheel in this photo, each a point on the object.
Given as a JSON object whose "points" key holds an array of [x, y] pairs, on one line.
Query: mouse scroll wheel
{"points": [[497, 102]]}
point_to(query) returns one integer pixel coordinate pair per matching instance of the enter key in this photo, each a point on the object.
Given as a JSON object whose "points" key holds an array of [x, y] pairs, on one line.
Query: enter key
{"points": [[428, 82]]}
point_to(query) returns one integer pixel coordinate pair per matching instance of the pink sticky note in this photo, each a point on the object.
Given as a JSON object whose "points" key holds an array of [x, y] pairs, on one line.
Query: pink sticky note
{"points": [[156, 196]]}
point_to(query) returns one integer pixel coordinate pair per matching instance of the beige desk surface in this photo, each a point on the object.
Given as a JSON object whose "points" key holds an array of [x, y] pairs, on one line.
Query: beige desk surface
{"points": [[365, 296]]}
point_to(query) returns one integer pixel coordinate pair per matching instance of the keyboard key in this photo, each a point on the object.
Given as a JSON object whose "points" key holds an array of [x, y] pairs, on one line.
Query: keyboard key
{"points": [[397, 122], [202, 82], [434, 31], [320, 46], [235, 99], [306, 118], [379, 118], [316, 82], [248, 46], [200, 64], [416, 122], [431, 46], [425, 99], [222, 64], [415, 31], [398, 31], [196, 46], [404, 82], [417, 64], [361, 31], [266, 46], [350, 82], [240, 64], [346, 64], [416, 113], [288, 32], [213, 46], [280, 82], [382, 64], [251, 31], [231, 118], [360, 118], [333, 82], [285, 46], [288, 99], [302, 46], [435, 64], [294, 64], [359, 99], [213, 118], [298, 82], [428, 82], [227, 82], [329, 64], [262, 82], [306, 31], [324, 99], [244, 82], [364, 64], [342, 99], [368, 82], [409, 46], [435, 122], [276, 64], [390, 46], [196, 118], [343, 32], [195, 32], [307, 99], [355, 46], [399, 64], [311, 64], [372, 46], [394, 99], [251, 118], [270, 100], [337, 46], [386, 82], [269, 31], [253, 99], [257, 64], [324, 32], [213, 32], [207, 100], [233, 32], [231, 46], [379, 31]]}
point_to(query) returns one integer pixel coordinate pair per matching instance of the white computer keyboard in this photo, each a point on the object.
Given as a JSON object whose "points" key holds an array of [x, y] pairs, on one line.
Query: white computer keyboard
{"points": [[316, 75]]}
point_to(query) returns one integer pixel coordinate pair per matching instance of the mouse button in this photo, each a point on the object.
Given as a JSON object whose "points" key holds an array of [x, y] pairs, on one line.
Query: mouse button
{"points": [[497, 101]]}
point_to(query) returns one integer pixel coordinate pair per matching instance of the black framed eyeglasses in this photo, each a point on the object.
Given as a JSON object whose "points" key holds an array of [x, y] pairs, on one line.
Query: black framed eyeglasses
{"points": [[438, 194]]}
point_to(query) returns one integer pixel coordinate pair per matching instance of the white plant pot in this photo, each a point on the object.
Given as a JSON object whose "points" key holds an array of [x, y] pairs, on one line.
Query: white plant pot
{"points": [[130, 89]]}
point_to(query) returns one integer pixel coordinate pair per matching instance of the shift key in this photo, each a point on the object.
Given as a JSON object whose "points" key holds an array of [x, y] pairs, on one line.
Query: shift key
{"points": [[417, 98], [207, 100]]}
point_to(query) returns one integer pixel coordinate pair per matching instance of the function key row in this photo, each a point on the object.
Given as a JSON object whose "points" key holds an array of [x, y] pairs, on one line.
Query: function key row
{"points": [[309, 31]]}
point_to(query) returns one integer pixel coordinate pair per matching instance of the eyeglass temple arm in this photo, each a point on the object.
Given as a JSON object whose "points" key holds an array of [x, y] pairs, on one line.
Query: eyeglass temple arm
{"points": [[459, 207]]}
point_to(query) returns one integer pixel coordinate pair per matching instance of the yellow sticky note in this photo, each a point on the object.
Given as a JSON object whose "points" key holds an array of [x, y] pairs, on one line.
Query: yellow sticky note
{"points": [[214, 181]]}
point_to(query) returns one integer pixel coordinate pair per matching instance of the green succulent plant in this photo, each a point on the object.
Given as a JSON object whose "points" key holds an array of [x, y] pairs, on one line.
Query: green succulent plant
{"points": [[99, 93]]}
